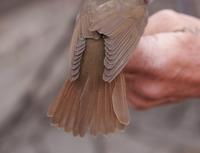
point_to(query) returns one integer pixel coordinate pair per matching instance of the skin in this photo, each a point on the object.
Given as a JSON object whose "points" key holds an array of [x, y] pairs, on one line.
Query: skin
{"points": [[165, 67]]}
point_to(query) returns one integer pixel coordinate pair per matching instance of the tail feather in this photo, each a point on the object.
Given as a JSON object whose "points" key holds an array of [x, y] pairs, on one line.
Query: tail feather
{"points": [[91, 105], [71, 111], [95, 124], [107, 106], [66, 106], [85, 108], [110, 108], [60, 103], [73, 114], [53, 106], [119, 100], [101, 110]]}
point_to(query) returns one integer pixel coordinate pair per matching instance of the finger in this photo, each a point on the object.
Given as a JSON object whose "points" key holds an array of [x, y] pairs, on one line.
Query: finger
{"points": [[140, 103], [169, 21], [190, 20], [164, 50], [153, 52]]}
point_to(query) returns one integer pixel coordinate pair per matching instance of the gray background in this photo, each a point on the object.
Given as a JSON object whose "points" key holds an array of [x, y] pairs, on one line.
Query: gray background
{"points": [[34, 37]]}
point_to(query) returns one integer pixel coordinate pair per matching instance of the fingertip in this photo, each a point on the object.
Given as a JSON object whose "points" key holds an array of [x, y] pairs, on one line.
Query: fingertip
{"points": [[162, 21]]}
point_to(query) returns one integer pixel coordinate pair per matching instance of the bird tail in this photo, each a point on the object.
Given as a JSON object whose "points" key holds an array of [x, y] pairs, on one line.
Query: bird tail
{"points": [[88, 105]]}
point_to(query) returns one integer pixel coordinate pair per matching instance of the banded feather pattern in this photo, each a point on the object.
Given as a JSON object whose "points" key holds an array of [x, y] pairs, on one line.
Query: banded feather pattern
{"points": [[93, 99]]}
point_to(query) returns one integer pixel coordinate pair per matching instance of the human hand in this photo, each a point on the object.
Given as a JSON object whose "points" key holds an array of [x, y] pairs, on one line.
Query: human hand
{"points": [[165, 67]]}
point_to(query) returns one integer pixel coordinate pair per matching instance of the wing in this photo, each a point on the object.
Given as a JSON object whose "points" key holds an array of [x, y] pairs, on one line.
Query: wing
{"points": [[122, 26], [78, 42]]}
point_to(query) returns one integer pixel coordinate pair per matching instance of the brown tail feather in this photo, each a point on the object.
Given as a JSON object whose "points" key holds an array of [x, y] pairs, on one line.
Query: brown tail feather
{"points": [[82, 106], [119, 100], [55, 109]]}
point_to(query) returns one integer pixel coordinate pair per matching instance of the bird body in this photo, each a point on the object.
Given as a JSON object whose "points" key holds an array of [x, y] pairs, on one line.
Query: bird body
{"points": [[94, 97]]}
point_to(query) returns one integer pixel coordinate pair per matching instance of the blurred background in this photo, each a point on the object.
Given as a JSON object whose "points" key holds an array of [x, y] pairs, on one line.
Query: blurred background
{"points": [[34, 37]]}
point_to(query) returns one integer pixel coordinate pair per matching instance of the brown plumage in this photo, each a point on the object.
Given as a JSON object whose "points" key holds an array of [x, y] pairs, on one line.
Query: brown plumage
{"points": [[94, 97]]}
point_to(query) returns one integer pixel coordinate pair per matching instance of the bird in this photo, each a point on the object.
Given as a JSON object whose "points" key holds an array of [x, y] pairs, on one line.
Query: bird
{"points": [[93, 97]]}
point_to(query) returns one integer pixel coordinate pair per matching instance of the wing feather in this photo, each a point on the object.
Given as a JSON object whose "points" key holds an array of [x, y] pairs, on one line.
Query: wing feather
{"points": [[78, 42], [122, 25]]}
